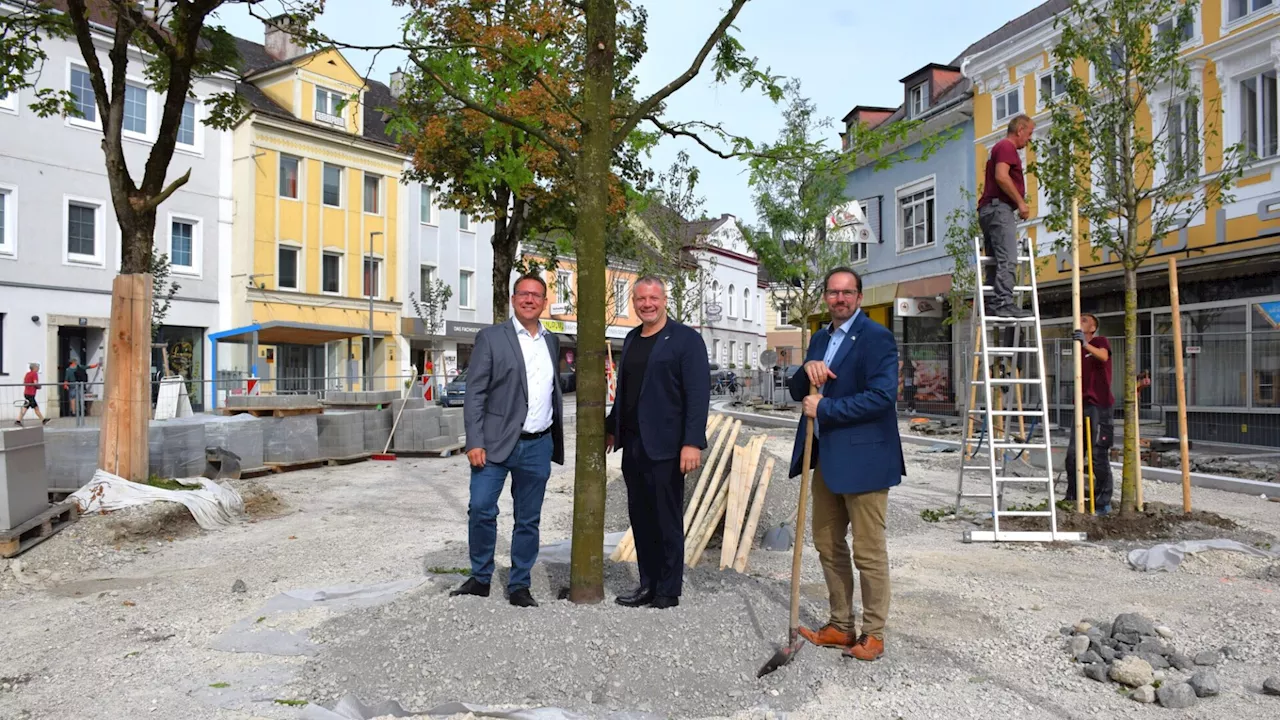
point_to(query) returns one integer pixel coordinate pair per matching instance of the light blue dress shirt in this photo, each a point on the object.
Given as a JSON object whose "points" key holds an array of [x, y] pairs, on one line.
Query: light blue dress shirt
{"points": [[833, 347]]}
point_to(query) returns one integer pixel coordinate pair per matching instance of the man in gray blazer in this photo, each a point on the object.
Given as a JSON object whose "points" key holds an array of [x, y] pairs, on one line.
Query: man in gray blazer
{"points": [[514, 418]]}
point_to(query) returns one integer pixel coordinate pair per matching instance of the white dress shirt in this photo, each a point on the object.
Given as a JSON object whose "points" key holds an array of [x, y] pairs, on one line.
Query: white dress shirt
{"points": [[837, 339], [540, 374]]}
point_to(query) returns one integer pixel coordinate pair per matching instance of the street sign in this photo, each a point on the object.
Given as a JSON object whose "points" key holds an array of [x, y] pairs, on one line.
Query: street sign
{"points": [[847, 224], [917, 307], [714, 312], [768, 358], [1193, 349]]}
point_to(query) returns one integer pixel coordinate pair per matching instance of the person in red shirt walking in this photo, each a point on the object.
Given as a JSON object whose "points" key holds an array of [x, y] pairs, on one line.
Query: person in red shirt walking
{"points": [[30, 385], [1095, 376], [1000, 209]]}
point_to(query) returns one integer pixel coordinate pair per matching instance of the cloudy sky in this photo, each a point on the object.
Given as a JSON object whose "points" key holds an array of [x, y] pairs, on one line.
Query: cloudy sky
{"points": [[845, 53]]}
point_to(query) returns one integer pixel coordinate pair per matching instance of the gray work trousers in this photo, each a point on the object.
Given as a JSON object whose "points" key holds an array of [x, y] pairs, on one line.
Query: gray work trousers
{"points": [[999, 222]]}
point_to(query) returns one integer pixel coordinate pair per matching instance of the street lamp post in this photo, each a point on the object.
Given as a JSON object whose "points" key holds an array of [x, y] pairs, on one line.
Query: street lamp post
{"points": [[369, 283]]}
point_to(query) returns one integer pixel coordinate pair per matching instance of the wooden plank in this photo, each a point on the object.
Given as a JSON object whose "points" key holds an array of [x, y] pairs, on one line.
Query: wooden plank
{"points": [[753, 521], [737, 514], [728, 546], [347, 460], [714, 461], [718, 480], [707, 526], [38, 529], [619, 551], [278, 467]]}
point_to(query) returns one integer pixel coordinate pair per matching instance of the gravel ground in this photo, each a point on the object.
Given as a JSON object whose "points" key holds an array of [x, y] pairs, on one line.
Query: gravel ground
{"points": [[112, 619]]}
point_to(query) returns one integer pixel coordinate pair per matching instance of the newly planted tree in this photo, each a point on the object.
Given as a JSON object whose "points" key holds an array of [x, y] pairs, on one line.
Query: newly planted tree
{"points": [[1134, 142], [664, 213]]}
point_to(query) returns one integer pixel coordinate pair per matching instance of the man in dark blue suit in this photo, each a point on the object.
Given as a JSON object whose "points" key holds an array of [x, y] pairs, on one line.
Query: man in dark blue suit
{"points": [[854, 364], [659, 420]]}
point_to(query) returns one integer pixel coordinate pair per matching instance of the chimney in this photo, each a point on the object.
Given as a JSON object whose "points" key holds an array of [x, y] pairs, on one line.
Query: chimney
{"points": [[279, 40], [397, 83]]}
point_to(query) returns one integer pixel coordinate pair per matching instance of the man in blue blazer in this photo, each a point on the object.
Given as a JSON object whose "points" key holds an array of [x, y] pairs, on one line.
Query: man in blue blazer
{"points": [[854, 364], [659, 420]]}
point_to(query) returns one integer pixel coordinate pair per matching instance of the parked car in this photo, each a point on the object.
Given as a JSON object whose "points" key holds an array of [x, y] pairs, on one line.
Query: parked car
{"points": [[455, 392]]}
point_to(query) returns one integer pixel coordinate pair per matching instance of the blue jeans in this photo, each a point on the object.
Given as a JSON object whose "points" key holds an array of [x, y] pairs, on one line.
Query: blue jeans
{"points": [[530, 467]]}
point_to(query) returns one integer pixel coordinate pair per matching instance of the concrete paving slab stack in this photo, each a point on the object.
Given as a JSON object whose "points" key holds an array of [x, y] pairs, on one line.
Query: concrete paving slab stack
{"points": [[70, 456], [290, 439], [24, 487], [452, 423], [377, 428], [340, 434], [240, 434], [176, 447]]}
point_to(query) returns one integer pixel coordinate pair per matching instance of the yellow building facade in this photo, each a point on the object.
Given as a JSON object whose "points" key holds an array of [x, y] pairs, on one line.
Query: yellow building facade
{"points": [[316, 224]]}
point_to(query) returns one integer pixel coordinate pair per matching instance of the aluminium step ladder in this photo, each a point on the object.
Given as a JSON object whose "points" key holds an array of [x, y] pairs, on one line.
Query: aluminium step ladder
{"points": [[1008, 359]]}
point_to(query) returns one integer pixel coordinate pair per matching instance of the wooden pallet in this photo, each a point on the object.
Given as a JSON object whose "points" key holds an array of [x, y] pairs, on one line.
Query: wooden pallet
{"points": [[37, 529], [254, 472], [440, 453], [273, 412], [291, 466], [358, 457]]}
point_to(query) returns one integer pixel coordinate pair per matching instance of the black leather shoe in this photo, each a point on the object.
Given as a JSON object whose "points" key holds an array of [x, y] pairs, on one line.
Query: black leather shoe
{"points": [[472, 587], [522, 598], [639, 598], [662, 602]]}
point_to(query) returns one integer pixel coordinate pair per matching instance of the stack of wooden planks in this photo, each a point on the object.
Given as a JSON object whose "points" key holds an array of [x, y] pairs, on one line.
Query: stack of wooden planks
{"points": [[726, 489]]}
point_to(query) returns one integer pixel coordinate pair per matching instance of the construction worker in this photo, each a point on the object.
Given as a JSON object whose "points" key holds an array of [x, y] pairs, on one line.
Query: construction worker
{"points": [[1000, 209], [1095, 378]]}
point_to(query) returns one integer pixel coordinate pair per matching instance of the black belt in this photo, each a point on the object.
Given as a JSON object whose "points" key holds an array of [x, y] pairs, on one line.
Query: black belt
{"points": [[534, 436]]}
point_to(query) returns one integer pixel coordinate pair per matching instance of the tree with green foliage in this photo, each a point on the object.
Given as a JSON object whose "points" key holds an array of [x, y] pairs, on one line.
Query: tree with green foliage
{"points": [[664, 212], [1136, 180]]}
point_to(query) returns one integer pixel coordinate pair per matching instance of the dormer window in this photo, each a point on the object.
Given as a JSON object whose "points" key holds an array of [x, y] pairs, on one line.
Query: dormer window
{"points": [[328, 105], [918, 99]]}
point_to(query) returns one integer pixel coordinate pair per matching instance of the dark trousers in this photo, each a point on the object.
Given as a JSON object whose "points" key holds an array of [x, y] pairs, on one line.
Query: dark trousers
{"points": [[655, 495], [1103, 434], [530, 467], [999, 222]]}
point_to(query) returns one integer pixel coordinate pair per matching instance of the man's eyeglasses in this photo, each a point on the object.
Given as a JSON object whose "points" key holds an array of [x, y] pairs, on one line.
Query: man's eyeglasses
{"points": [[528, 294], [843, 293]]}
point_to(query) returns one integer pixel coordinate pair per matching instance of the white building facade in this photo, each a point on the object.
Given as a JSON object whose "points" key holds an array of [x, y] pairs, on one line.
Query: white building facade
{"points": [[732, 317]]}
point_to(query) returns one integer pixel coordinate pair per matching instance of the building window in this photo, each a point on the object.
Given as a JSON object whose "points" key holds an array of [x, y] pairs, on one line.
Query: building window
{"points": [[328, 105], [331, 273], [784, 314], [1008, 105], [1258, 114], [715, 351], [563, 285], [426, 211], [1052, 85], [8, 221], [746, 304], [84, 98], [372, 273], [372, 192], [915, 217], [733, 301], [1183, 123], [426, 282], [918, 98], [182, 245], [332, 185], [288, 177], [9, 103], [84, 232], [746, 356], [187, 127], [287, 267], [1184, 32], [135, 110], [2, 319], [464, 288], [1240, 8], [733, 352], [464, 222], [620, 301]]}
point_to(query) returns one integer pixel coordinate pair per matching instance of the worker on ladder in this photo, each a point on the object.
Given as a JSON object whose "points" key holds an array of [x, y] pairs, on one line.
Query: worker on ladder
{"points": [[1095, 377], [1000, 208]]}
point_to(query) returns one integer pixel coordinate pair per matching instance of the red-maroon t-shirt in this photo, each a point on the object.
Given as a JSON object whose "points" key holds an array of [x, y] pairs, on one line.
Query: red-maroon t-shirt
{"points": [[1003, 152], [1096, 376], [29, 381]]}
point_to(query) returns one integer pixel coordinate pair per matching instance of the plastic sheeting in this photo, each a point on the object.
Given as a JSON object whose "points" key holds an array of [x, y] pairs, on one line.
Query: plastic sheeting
{"points": [[213, 505], [176, 447], [560, 552], [350, 708], [1168, 557]]}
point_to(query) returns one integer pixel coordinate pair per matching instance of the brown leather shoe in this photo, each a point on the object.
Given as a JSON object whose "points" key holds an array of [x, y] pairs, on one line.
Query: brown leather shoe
{"points": [[866, 648], [828, 636]]}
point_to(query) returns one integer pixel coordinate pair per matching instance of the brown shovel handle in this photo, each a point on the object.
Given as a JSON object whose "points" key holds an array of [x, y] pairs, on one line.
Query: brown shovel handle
{"points": [[801, 512]]}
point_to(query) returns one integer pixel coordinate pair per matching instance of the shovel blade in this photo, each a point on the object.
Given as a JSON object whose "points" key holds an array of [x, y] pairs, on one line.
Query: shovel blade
{"points": [[781, 657]]}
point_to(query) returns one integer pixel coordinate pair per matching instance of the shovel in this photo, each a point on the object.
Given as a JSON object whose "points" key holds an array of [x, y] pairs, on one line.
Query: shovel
{"points": [[784, 655]]}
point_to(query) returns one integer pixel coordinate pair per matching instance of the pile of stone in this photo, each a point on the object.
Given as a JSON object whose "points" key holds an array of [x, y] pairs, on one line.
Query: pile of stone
{"points": [[1135, 652]]}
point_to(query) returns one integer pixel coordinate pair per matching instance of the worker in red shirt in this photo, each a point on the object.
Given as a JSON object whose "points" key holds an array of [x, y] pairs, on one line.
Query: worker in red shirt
{"points": [[1095, 377], [30, 385], [1000, 209]]}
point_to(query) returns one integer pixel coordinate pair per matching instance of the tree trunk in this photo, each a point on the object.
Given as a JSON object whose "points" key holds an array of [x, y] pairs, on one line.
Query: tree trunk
{"points": [[122, 448], [1129, 475], [506, 241], [586, 579]]}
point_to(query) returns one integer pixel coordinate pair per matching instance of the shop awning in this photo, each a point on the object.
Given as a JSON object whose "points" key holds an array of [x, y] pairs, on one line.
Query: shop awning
{"points": [[880, 295], [925, 287], [284, 332]]}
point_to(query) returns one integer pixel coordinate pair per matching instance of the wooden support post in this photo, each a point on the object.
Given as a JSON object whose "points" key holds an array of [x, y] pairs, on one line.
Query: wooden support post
{"points": [[122, 446], [1077, 359], [753, 521], [1180, 379]]}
